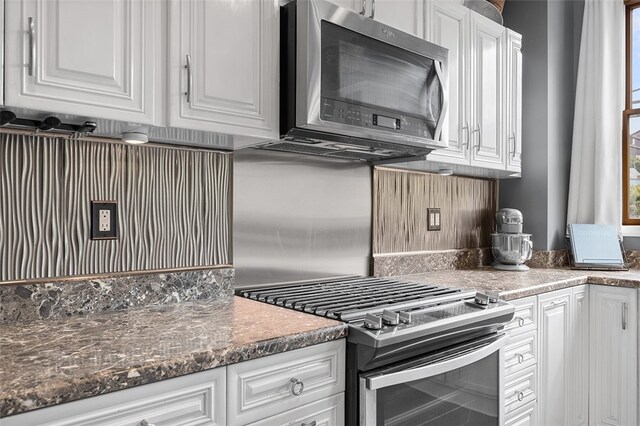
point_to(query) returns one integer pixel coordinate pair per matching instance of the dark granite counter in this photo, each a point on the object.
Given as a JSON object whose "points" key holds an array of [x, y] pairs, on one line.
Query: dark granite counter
{"points": [[515, 285], [43, 363]]}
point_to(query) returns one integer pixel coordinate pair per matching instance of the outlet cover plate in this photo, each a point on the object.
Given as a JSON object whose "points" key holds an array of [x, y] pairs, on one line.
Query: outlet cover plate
{"points": [[104, 219], [433, 220]]}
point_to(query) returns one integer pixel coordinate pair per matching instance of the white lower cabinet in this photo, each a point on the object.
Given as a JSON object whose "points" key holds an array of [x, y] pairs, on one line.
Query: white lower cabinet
{"points": [[326, 412], [572, 358], [524, 416], [614, 356], [521, 363], [195, 399], [299, 387], [267, 386]]}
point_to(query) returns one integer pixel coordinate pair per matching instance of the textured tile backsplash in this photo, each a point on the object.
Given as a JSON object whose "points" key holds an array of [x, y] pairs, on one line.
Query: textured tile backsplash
{"points": [[401, 200], [174, 207]]}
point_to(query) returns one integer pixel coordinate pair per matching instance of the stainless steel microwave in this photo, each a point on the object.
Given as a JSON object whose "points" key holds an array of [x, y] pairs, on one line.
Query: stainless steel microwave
{"points": [[352, 87]]}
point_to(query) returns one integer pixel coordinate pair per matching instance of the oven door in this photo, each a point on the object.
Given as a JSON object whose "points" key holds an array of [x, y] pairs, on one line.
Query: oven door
{"points": [[358, 77], [458, 386]]}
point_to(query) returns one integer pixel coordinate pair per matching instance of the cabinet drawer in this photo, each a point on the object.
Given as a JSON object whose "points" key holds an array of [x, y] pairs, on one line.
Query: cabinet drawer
{"points": [[524, 416], [326, 412], [267, 386], [521, 352], [526, 316], [520, 389], [195, 399]]}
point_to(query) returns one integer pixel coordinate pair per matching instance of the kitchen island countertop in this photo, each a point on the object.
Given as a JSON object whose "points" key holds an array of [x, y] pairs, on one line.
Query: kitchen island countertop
{"points": [[44, 363], [515, 285]]}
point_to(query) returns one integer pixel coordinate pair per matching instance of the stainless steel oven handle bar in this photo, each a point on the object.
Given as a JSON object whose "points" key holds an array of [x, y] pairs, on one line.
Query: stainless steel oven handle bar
{"points": [[435, 369]]}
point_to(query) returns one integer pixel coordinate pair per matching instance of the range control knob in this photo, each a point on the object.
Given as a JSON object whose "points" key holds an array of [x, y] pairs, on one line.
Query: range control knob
{"points": [[486, 298], [390, 317], [482, 299], [405, 317], [372, 322]]}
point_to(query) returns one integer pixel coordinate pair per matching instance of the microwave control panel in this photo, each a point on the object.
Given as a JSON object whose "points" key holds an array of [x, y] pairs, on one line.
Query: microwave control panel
{"points": [[361, 116]]}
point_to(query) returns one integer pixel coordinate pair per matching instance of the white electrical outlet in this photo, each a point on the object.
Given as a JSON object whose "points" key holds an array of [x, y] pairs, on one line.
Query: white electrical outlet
{"points": [[104, 223]]}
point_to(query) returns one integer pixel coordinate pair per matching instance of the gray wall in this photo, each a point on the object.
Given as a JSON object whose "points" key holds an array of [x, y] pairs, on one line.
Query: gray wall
{"points": [[551, 33]]}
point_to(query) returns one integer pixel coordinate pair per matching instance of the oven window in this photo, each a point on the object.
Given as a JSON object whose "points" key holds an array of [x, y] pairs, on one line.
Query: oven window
{"points": [[466, 396], [363, 71]]}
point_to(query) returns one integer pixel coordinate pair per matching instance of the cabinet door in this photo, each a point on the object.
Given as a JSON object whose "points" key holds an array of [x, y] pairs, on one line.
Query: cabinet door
{"points": [[325, 412], [487, 40], [223, 66], [614, 362], [405, 15], [449, 27], [513, 89], [553, 362], [579, 360], [87, 58], [355, 5], [194, 399]]}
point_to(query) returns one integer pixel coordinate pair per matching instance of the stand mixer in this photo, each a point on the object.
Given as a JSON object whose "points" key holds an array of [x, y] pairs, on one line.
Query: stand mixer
{"points": [[509, 246]]}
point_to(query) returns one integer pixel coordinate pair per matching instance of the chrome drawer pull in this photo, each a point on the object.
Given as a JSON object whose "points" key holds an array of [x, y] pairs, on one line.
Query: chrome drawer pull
{"points": [[144, 422], [32, 47], [520, 396], [520, 321], [520, 358], [296, 386], [313, 423]]}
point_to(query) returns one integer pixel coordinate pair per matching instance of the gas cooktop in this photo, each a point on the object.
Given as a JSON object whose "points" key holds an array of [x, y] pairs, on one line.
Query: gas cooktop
{"points": [[384, 311]]}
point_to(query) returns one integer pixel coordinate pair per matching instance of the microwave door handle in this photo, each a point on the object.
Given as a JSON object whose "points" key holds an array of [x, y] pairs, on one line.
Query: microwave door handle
{"points": [[419, 373], [445, 102]]}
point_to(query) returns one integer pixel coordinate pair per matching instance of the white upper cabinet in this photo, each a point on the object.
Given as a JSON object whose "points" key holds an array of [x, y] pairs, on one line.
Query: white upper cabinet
{"points": [[487, 147], [405, 15], [223, 66], [450, 28], [513, 92], [86, 58], [614, 357]]}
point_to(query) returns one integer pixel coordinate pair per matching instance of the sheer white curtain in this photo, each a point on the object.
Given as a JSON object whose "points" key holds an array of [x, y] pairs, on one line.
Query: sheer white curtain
{"points": [[595, 194]]}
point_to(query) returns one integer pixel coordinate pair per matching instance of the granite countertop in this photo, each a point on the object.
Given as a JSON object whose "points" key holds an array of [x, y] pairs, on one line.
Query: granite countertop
{"points": [[515, 285], [65, 359]]}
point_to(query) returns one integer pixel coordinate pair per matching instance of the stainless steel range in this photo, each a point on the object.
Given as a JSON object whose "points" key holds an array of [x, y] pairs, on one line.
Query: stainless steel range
{"points": [[417, 354]]}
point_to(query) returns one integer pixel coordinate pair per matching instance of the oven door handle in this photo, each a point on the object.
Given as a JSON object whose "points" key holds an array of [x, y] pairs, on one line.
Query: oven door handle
{"points": [[419, 373]]}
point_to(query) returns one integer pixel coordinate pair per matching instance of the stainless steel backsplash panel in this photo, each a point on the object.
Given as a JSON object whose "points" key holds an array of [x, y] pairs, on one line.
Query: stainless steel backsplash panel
{"points": [[299, 217]]}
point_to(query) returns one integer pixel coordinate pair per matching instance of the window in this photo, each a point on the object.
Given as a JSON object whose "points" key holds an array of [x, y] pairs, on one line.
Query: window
{"points": [[631, 118]]}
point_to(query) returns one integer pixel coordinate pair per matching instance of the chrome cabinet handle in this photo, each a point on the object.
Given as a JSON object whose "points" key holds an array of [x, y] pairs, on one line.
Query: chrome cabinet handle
{"points": [[520, 396], [373, 9], [479, 131], [313, 423], [520, 321], [188, 68], [32, 47], [465, 129], [624, 316], [296, 386], [364, 7], [513, 138], [144, 422], [520, 358]]}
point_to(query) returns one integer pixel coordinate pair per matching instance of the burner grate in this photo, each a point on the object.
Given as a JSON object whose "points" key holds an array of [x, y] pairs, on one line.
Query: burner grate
{"points": [[351, 299]]}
